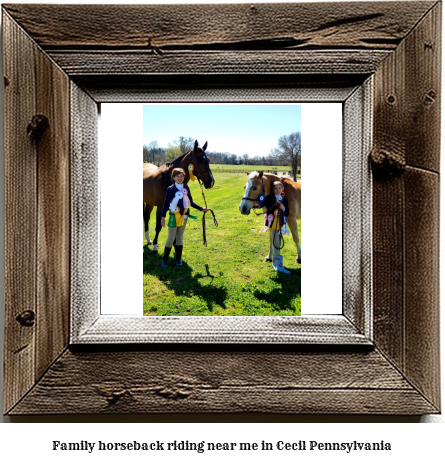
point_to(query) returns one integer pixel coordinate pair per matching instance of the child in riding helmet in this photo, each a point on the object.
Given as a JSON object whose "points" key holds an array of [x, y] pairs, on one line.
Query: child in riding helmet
{"points": [[177, 200], [274, 204]]}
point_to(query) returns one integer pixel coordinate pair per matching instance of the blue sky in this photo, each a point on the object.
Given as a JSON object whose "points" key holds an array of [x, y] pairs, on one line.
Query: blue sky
{"points": [[238, 129]]}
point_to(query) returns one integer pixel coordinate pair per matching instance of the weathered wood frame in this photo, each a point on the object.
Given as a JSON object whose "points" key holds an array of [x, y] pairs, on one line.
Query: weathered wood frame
{"points": [[75, 57], [90, 323]]}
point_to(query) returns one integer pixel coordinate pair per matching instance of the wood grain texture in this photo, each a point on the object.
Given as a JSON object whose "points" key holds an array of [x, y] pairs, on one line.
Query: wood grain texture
{"points": [[388, 268], [389, 155], [389, 144], [20, 213], [158, 27], [37, 219], [421, 280], [209, 330], [282, 46], [53, 223], [85, 248], [357, 209], [423, 91], [408, 98], [78, 63], [223, 382], [406, 206]]}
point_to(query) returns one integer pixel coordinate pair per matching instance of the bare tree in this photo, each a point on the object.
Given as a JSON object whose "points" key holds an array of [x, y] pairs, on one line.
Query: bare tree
{"points": [[146, 154], [153, 148], [185, 144], [289, 151]]}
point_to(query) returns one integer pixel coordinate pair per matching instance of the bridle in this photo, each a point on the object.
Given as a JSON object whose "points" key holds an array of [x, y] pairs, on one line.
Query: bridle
{"points": [[197, 173], [280, 216], [254, 200]]}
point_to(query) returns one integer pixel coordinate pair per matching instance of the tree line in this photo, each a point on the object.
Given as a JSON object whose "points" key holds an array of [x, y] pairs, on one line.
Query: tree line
{"points": [[287, 153]]}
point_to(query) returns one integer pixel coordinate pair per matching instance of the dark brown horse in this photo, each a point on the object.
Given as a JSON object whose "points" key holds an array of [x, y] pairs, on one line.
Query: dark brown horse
{"points": [[156, 181]]}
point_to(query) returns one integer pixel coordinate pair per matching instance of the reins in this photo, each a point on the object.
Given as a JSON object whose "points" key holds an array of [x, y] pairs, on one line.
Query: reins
{"points": [[205, 202], [204, 218]]}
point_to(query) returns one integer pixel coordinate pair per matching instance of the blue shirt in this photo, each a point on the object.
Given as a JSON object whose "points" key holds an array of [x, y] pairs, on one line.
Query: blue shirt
{"points": [[171, 192]]}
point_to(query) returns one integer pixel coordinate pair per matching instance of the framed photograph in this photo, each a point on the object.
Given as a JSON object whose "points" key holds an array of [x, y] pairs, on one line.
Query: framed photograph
{"points": [[379, 354], [214, 268], [231, 273]]}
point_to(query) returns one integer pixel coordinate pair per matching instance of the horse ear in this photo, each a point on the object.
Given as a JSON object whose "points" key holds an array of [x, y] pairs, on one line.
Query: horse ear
{"points": [[247, 172], [196, 145], [204, 147], [260, 175]]}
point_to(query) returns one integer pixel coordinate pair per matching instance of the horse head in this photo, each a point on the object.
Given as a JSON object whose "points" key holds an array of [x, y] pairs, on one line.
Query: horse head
{"points": [[252, 190], [201, 165]]}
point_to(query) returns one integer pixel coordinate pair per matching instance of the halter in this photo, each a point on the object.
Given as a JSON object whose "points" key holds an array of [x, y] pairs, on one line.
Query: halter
{"points": [[202, 172], [196, 173], [279, 218], [254, 200]]}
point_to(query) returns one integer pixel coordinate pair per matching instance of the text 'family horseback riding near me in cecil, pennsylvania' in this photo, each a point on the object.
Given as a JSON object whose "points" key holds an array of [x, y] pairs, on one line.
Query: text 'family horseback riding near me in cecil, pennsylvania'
{"points": [[206, 446]]}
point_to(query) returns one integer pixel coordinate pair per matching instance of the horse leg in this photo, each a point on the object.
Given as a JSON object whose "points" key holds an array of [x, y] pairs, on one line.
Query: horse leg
{"points": [[158, 229], [147, 212], [292, 223], [269, 257]]}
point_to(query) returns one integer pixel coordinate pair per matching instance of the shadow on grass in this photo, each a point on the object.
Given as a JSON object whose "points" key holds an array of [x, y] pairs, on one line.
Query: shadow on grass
{"points": [[289, 286], [180, 279]]}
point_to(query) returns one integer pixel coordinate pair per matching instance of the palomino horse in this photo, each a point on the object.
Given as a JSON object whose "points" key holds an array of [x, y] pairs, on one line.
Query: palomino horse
{"points": [[259, 183], [156, 181]]}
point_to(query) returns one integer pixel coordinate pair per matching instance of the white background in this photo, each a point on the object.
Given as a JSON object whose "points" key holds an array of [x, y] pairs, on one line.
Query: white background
{"points": [[121, 192], [412, 443], [120, 171], [321, 192]]}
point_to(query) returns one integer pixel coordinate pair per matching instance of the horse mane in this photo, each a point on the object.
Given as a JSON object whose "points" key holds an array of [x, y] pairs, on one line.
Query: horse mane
{"points": [[171, 163], [254, 174]]}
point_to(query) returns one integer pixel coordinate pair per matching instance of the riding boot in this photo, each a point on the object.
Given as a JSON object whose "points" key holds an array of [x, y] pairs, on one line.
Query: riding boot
{"points": [[178, 254], [278, 264], [167, 251]]}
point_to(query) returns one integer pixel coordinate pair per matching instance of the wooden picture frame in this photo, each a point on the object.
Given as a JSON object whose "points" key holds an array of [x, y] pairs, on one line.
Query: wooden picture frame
{"points": [[57, 70]]}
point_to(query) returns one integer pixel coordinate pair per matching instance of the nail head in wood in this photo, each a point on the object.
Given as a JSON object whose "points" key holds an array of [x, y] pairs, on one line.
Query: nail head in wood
{"points": [[26, 318], [37, 126]]}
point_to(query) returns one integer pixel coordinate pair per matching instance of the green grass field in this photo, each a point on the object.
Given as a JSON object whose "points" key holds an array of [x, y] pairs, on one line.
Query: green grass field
{"points": [[217, 168], [229, 276]]}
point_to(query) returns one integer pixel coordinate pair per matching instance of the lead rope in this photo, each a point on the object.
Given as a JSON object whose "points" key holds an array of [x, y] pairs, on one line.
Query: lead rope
{"points": [[204, 218], [280, 222]]}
